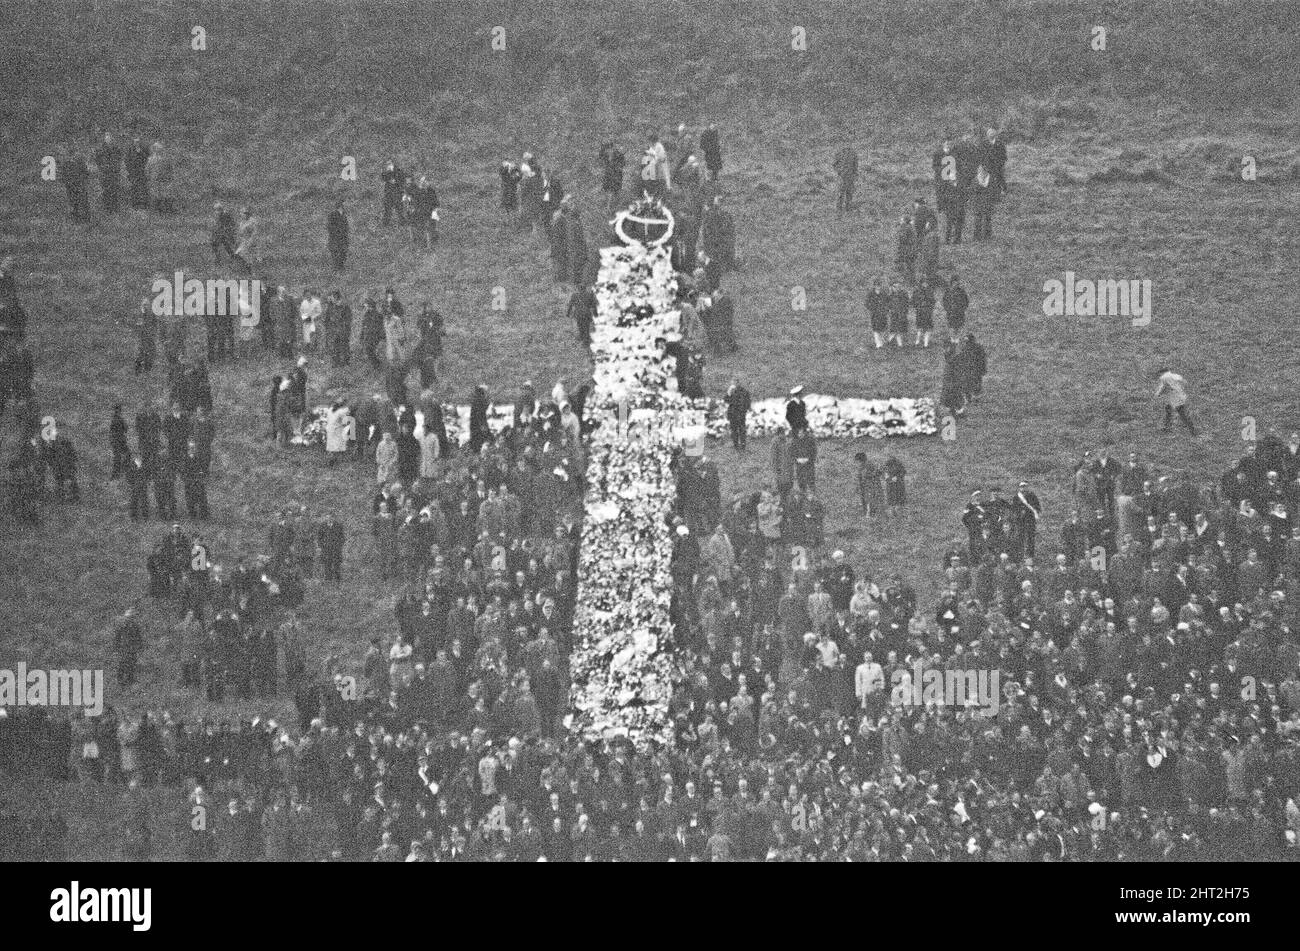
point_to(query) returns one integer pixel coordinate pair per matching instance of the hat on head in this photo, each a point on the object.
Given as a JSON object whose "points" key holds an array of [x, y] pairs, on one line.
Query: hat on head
{"points": [[797, 390]]}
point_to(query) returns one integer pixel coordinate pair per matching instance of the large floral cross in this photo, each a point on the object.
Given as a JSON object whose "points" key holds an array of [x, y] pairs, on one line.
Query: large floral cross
{"points": [[622, 660]]}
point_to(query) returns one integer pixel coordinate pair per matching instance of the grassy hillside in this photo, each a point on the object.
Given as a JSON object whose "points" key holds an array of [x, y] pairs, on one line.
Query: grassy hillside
{"points": [[1123, 164]]}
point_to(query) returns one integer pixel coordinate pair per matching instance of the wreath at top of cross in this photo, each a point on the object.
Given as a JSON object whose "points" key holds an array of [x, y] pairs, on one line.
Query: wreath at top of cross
{"points": [[648, 214]]}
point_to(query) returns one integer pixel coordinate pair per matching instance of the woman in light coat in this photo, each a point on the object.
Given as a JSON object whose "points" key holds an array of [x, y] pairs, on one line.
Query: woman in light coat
{"points": [[430, 453], [386, 460], [339, 427]]}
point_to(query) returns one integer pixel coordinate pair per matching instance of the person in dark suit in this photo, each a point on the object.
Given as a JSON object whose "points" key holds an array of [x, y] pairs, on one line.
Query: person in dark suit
{"points": [[75, 175], [108, 160], [738, 404], [711, 146], [137, 176], [948, 196], [392, 179], [846, 170], [1026, 511], [878, 312], [955, 303], [337, 236], [796, 412], [194, 481]]}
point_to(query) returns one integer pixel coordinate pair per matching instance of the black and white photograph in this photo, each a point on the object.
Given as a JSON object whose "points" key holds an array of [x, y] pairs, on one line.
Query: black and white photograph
{"points": [[650, 431]]}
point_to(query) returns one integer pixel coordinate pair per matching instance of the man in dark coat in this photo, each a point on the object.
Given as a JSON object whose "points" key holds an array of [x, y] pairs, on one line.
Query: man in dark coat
{"points": [[878, 312], [330, 535], [63, 468], [137, 480], [796, 413], [372, 333], [128, 641], [582, 310], [846, 170], [1026, 511], [75, 175], [711, 146], [718, 235], [108, 160], [973, 364], [955, 303], [224, 238], [137, 178], [429, 350], [338, 329], [949, 199], [803, 446], [194, 480], [337, 234], [612, 162], [738, 404], [393, 179]]}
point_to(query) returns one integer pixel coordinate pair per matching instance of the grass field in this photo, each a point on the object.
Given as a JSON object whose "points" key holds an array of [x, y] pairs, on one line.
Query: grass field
{"points": [[286, 90]]}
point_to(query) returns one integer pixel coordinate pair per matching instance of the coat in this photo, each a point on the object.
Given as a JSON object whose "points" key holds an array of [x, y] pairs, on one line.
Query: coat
{"points": [[430, 453], [782, 462], [339, 429], [386, 461]]}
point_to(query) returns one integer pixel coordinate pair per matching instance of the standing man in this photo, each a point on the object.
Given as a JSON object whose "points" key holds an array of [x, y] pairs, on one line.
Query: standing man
{"points": [[898, 304], [738, 403], [955, 303], [194, 480], [72, 169], [137, 175], [656, 175], [718, 235], [330, 535], [947, 194], [337, 233], [782, 464], [1026, 511], [712, 149], [582, 309], [846, 169], [392, 178], [338, 329], [1172, 391], [803, 446], [612, 162], [796, 412], [981, 203], [994, 158], [223, 233], [905, 249], [108, 161], [128, 641], [878, 311]]}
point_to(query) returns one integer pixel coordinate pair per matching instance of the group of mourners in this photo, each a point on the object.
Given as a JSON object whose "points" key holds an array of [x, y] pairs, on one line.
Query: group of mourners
{"points": [[148, 169], [1149, 706], [969, 173], [1150, 701]]}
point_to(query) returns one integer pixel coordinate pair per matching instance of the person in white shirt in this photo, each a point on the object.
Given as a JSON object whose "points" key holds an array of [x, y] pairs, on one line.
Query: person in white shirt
{"points": [[869, 678], [656, 175], [1172, 390]]}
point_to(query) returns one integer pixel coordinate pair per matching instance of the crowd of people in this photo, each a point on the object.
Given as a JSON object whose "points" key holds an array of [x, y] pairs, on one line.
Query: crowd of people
{"points": [[148, 169], [1150, 706], [1151, 701]]}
